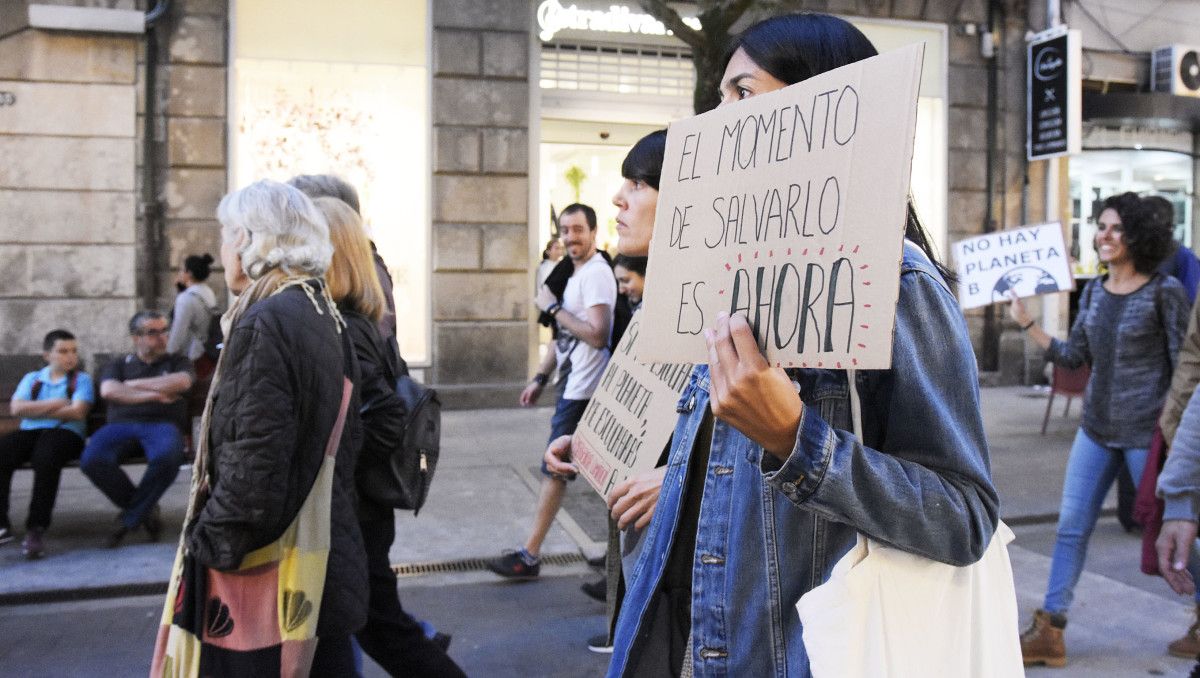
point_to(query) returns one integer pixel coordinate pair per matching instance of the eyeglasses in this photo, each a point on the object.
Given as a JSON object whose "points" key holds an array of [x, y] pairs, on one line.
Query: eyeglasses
{"points": [[153, 333]]}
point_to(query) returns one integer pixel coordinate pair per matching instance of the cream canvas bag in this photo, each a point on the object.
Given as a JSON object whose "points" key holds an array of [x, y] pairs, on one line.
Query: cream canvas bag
{"points": [[892, 614]]}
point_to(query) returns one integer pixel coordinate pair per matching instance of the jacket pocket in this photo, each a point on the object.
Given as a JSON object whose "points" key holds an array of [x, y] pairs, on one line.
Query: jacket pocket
{"points": [[827, 392]]}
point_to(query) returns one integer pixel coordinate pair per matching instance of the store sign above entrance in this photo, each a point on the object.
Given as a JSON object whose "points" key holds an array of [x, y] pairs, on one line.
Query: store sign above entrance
{"points": [[552, 17], [789, 208], [1054, 96]]}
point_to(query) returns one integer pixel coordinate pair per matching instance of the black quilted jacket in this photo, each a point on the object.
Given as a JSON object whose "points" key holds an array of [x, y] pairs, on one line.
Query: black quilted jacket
{"points": [[274, 410], [383, 418]]}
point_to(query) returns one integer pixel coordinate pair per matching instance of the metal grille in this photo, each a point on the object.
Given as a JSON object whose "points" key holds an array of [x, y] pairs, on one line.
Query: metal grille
{"points": [[657, 71], [472, 564]]}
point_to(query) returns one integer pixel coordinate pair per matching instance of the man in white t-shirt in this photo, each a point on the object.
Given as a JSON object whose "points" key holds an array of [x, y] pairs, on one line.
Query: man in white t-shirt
{"points": [[584, 316]]}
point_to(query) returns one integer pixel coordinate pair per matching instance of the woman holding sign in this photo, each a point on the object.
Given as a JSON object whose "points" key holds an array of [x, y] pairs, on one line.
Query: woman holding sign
{"points": [[1128, 330], [765, 488]]}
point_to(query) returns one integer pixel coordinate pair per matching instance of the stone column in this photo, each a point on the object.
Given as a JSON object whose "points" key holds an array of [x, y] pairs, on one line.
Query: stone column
{"points": [[482, 287], [67, 200], [193, 172]]}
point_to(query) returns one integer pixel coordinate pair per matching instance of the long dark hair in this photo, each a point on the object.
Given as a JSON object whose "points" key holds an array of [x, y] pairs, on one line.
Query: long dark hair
{"points": [[1145, 226], [795, 47], [644, 161], [631, 264]]}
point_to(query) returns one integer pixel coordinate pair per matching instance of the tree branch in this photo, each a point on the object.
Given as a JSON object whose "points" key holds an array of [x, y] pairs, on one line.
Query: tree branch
{"points": [[660, 10], [721, 16]]}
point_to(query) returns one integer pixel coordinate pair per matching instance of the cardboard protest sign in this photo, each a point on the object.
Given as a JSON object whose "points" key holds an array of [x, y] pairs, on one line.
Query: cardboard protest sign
{"points": [[788, 207], [1029, 261], [630, 416]]}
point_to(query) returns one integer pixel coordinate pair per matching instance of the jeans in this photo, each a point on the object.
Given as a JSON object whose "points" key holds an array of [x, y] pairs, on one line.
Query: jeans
{"points": [[567, 414], [101, 463], [47, 450], [1091, 469]]}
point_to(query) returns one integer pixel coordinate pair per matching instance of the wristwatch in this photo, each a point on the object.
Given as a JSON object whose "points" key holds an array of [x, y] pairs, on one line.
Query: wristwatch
{"points": [[541, 379], [553, 308]]}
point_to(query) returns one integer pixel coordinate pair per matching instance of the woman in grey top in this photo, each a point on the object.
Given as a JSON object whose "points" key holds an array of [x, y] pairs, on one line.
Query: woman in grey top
{"points": [[194, 308], [1128, 330]]}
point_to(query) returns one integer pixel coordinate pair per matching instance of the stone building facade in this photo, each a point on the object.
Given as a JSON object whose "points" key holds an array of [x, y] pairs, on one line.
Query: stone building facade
{"points": [[84, 241]]}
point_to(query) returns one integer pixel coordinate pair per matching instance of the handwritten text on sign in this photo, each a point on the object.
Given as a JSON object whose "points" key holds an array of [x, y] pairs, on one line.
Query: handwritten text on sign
{"points": [[789, 207], [1029, 261], [630, 416]]}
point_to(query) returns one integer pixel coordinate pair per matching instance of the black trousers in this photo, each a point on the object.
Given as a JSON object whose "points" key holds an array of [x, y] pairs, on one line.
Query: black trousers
{"points": [[334, 658], [392, 637], [47, 450]]}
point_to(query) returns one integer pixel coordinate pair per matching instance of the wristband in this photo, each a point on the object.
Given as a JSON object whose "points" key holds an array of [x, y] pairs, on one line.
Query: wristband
{"points": [[553, 308], [541, 379], [1026, 327]]}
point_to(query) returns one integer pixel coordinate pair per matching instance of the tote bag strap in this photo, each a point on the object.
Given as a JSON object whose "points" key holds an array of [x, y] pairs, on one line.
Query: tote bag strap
{"points": [[855, 404]]}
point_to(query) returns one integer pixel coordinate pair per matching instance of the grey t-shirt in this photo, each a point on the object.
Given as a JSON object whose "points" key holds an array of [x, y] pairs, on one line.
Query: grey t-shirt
{"points": [[129, 367]]}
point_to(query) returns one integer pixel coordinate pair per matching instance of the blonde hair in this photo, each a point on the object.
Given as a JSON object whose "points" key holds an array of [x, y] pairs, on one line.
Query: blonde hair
{"points": [[278, 227], [353, 283]]}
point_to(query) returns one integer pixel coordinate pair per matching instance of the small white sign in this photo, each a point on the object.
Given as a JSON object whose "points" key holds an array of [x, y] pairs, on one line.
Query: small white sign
{"points": [[1029, 261], [630, 417]]}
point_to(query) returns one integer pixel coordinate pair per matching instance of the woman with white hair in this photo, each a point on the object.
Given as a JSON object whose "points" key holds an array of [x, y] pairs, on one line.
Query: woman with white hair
{"points": [[271, 558]]}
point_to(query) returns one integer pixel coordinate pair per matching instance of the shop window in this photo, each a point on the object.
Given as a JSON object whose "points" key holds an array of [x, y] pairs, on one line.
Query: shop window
{"points": [[343, 88], [655, 71], [1100, 173]]}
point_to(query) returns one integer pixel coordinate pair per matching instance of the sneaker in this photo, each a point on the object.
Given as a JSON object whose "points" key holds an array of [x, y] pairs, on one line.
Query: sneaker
{"points": [[153, 524], [600, 644], [598, 561], [515, 565], [6, 535], [442, 640], [596, 590], [117, 536], [33, 547]]}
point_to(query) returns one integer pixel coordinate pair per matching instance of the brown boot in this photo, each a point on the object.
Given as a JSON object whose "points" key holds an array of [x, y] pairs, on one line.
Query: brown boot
{"points": [[1043, 642], [1188, 647]]}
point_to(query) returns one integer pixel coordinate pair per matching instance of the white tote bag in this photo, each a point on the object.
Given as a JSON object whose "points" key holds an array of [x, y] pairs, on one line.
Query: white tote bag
{"points": [[886, 613]]}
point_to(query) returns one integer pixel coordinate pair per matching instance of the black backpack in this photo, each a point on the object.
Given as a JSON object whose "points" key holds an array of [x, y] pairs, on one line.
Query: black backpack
{"points": [[214, 339], [413, 463]]}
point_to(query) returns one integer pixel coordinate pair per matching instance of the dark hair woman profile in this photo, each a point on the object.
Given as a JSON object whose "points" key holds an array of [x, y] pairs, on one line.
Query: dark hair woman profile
{"points": [[765, 486], [631, 503]]}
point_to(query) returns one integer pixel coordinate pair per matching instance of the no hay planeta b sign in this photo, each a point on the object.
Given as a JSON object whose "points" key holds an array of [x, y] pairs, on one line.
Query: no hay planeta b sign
{"points": [[1027, 262], [789, 208]]}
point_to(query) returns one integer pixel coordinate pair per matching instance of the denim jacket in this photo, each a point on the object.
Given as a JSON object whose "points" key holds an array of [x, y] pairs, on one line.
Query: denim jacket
{"points": [[769, 532]]}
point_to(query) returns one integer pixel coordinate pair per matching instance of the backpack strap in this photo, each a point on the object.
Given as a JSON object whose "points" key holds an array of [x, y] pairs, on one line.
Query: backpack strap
{"points": [[1087, 292], [72, 381], [1159, 280]]}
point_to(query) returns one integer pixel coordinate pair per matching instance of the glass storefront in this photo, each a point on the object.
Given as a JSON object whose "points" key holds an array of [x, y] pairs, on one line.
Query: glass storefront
{"points": [[343, 88], [601, 91], [1147, 161]]}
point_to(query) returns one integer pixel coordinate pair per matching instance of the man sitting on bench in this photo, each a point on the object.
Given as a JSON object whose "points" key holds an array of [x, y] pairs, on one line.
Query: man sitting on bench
{"points": [[144, 393], [53, 404]]}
